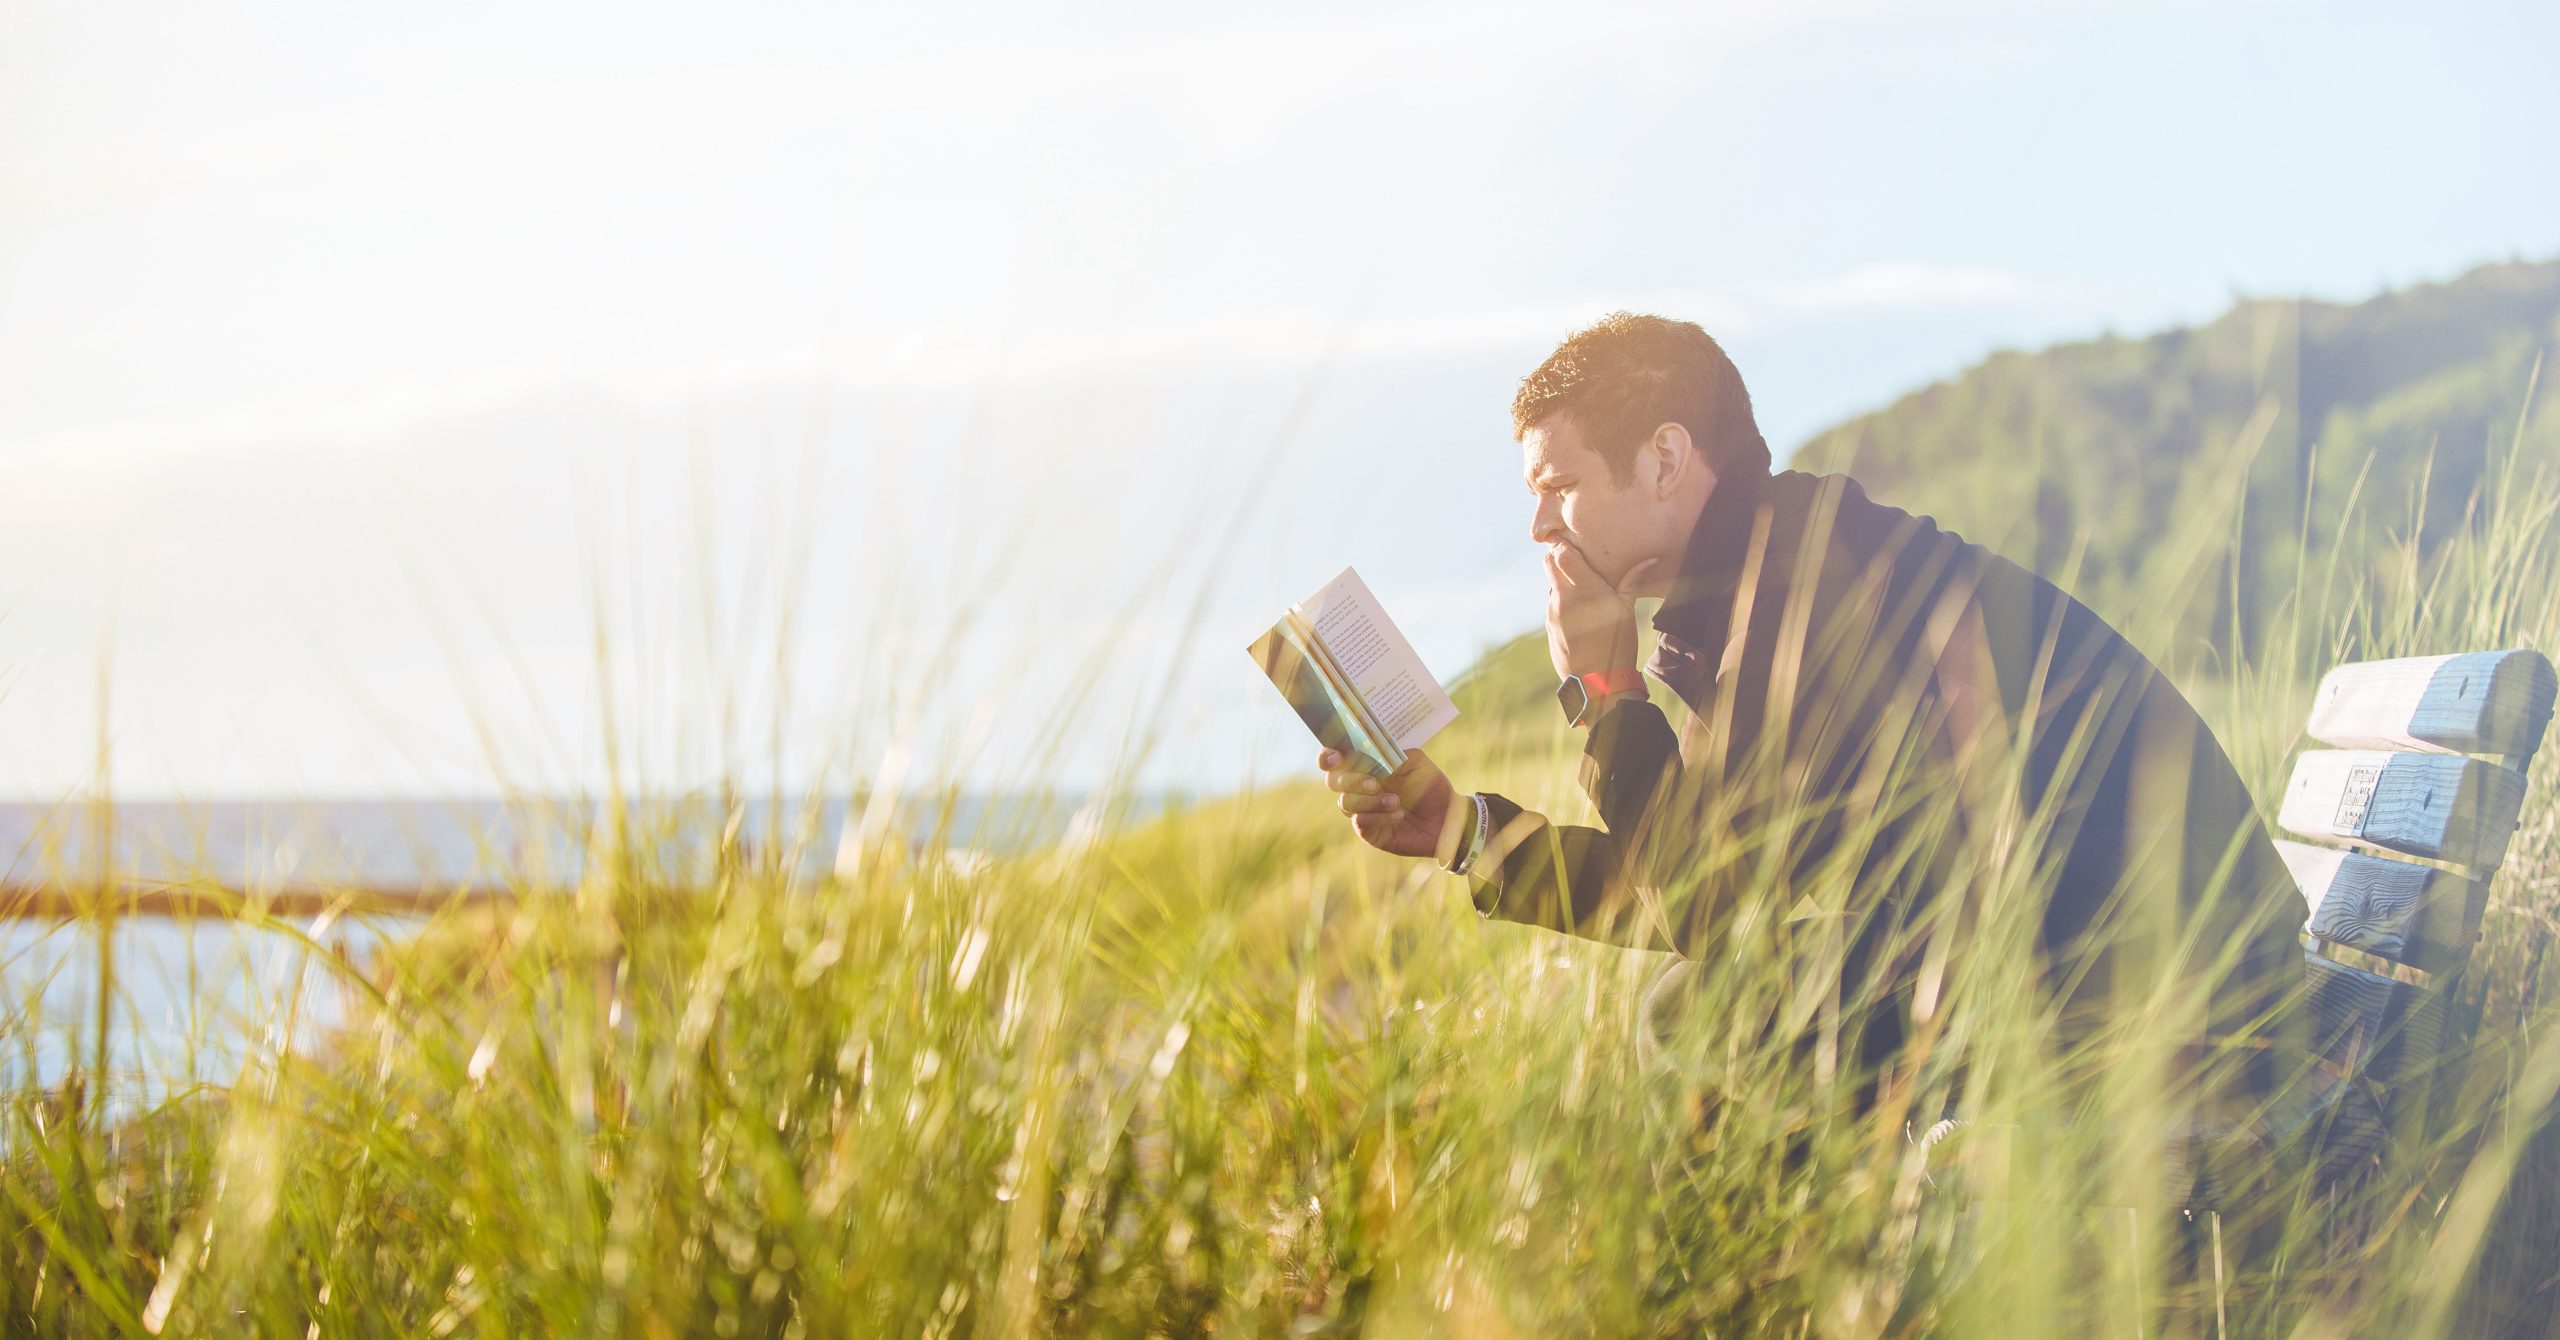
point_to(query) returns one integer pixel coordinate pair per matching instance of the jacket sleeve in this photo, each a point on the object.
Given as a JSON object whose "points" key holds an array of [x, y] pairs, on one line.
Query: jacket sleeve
{"points": [[1569, 878]]}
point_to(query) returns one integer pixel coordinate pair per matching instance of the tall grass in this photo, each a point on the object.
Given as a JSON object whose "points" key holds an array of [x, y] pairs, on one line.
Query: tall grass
{"points": [[1228, 1072]]}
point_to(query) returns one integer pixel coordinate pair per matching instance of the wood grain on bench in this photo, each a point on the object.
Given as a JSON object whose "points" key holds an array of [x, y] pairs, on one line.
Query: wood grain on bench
{"points": [[2408, 913], [2445, 807], [2482, 702]]}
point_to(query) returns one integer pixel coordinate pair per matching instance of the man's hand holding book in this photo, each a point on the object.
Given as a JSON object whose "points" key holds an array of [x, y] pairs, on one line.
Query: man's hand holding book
{"points": [[1413, 811]]}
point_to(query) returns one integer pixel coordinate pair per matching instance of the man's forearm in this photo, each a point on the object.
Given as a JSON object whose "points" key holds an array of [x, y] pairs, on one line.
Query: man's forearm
{"points": [[1559, 876], [1573, 879]]}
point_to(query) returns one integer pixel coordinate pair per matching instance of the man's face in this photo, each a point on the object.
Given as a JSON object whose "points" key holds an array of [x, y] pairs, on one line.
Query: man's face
{"points": [[1581, 503]]}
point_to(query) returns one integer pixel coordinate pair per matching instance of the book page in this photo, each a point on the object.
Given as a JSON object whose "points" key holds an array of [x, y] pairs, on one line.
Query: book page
{"points": [[1381, 667]]}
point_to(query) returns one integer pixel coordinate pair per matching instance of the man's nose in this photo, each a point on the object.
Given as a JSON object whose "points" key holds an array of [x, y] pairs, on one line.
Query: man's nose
{"points": [[1546, 524]]}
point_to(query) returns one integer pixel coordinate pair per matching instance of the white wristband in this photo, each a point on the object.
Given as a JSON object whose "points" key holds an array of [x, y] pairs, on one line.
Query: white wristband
{"points": [[1474, 845]]}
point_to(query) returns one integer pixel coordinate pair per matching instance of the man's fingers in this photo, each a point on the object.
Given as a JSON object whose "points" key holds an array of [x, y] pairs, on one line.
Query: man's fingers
{"points": [[1559, 580], [1357, 804], [1326, 760], [1572, 564], [1559, 577], [1352, 779]]}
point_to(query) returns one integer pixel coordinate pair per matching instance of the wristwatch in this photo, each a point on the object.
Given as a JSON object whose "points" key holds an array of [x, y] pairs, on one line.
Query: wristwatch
{"points": [[1581, 695]]}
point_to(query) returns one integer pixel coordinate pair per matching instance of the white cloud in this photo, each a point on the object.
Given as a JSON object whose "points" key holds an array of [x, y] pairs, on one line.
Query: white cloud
{"points": [[100, 456], [1918, 284], [952, 359]]}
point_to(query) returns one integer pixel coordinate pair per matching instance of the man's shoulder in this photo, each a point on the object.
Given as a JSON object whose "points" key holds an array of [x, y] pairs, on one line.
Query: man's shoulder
{"points": [[1856, 531], [1863, 520], [1806, 495], [2021, 607]]}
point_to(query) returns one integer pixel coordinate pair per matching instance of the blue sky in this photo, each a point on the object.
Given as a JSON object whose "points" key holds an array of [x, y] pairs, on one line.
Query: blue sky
{"points": [[357, 368]]}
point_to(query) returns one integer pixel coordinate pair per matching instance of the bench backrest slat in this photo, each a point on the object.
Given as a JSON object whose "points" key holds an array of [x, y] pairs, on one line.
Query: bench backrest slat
{"points": [[2445, 807], [2408, 913], [2482, 702]]}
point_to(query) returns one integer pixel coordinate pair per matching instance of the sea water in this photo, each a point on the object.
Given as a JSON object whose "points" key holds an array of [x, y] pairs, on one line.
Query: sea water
{"points": [[196, 1000], [192, 1001]]}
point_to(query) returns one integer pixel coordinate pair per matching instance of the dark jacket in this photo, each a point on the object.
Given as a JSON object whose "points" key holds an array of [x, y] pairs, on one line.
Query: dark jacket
{"points": [[1865, 691]]}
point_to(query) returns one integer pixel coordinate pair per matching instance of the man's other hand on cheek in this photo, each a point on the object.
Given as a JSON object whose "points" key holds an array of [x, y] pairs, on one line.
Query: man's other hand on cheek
{"points": [[1591, 626]]}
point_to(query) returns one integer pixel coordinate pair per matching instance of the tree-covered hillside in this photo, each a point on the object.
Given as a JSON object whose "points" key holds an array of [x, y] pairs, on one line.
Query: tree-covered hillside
{"points": [[2076, 459]]}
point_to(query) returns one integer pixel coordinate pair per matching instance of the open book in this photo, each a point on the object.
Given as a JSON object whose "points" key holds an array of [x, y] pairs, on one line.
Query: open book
{"points": [[1352, 677]]}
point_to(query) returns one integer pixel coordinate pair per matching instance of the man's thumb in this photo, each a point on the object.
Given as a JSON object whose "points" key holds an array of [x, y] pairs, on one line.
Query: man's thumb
{"points": [[1415, 775]]}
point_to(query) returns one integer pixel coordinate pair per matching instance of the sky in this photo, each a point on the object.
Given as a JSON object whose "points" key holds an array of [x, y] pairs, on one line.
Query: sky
{"points": [[449, 398]]}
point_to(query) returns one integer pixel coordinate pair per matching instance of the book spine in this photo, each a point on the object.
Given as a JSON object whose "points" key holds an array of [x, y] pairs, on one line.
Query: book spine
{"points": [[1390, 753]]}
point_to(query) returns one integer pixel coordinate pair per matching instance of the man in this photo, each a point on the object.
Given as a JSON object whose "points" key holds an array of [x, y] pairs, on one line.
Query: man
{"points": [[1883, 721]]}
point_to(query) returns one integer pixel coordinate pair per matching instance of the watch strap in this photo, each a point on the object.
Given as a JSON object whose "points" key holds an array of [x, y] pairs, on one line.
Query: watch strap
{"points": [[1609, 683]]}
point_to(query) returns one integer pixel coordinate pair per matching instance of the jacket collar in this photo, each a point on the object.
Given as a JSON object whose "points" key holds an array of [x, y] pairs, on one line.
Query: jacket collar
{"points": [[1696, 608]]}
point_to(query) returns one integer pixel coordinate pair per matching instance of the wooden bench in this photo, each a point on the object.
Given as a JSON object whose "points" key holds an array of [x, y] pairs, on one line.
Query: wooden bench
{"points": [[2428, 762]]}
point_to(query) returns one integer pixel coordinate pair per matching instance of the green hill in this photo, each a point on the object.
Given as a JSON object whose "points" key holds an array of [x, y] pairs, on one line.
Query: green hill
{"points": [[2076, 459]]}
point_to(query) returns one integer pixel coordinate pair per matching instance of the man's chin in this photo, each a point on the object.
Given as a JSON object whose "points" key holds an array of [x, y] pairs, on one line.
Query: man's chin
{"points": [[1607, 572], [1615, 574]]}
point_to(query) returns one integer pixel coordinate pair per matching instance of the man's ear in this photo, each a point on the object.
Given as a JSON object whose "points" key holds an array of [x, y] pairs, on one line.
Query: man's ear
{"points": [[1673, 459]]}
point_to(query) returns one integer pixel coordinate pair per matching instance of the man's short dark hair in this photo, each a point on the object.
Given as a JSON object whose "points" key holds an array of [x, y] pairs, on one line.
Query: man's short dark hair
{"points": [[1625, 375]]}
